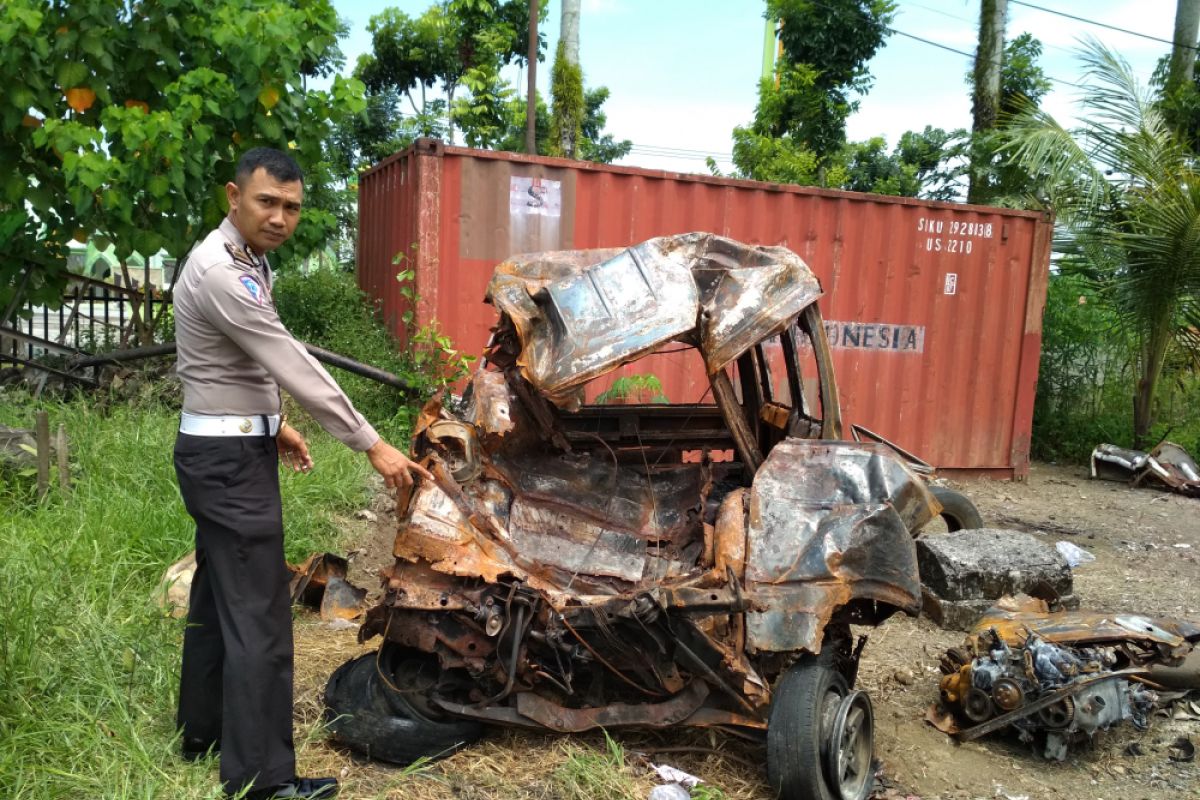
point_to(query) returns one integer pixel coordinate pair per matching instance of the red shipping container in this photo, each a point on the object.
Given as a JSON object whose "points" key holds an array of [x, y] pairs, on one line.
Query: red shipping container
{"points": [[934, 310]]}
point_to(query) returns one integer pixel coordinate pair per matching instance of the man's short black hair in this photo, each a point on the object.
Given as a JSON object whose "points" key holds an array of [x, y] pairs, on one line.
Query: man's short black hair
{"points": [[278, 164]]}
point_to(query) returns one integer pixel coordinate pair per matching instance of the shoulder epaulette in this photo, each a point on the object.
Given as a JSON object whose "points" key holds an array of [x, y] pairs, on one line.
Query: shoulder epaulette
{"points": [[242, 256]]}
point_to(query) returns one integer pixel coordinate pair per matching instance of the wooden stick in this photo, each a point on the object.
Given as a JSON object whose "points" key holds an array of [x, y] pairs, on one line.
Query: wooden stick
{"points": [[42, 432], [64, 467]]}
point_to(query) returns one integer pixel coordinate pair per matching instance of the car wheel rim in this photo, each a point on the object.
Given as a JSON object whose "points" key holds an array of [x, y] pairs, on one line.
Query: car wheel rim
{"points": [[852, 748]]}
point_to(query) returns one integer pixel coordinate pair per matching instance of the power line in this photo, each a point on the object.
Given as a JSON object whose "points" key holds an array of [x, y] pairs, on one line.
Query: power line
{"points": [[971, 56], [682, 153], [650, 149], [1099, 24], [909, 4], [683, 150], [941, 46], [637, 151]]}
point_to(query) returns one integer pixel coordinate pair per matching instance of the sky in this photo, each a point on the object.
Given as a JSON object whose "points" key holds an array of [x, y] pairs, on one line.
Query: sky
{"points": [[683, 73]]}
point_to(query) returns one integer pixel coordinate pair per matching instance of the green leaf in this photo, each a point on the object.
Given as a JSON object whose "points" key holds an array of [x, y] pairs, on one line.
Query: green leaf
{"points": [[21, 97], [92, 44], [14, 187], [158, 186], [71, 73], [270, 128]]}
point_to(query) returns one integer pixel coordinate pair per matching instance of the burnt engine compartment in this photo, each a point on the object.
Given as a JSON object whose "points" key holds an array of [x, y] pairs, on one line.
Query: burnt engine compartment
{"points": [[506, 655]]}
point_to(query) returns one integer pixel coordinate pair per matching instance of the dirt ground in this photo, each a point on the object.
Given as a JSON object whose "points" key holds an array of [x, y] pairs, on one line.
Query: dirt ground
{"points": [[1147, 548]]}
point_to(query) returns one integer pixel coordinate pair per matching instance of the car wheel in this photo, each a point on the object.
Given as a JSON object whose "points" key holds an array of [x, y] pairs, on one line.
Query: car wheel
{"points": [[957, 509], [362, 714], [820, 736]]}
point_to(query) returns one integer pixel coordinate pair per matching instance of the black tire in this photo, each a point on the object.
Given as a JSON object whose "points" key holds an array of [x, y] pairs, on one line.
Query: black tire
{"points": [[957, 509], [361, 715], [801, 722]]}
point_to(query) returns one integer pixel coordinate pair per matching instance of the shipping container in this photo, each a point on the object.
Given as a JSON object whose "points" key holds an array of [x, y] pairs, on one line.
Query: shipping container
{"points": [[934, 309]]}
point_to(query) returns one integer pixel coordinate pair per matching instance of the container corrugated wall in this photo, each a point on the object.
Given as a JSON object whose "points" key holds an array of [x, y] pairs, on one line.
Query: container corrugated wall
{"points": [[934, 309]]}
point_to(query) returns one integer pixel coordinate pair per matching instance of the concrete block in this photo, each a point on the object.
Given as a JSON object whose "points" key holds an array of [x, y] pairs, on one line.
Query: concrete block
{"points": [[965, 572]]}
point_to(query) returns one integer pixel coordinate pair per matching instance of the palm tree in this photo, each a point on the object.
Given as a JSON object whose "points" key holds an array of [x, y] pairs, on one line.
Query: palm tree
{"points": [[1126, 192]]}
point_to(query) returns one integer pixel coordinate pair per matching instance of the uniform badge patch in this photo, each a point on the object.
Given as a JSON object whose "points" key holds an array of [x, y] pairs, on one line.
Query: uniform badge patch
{"points": [[253, 288]]}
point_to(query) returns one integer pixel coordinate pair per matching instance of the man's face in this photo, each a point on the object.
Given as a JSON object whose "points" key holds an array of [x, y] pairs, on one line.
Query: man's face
{"points": [[265, 210]]}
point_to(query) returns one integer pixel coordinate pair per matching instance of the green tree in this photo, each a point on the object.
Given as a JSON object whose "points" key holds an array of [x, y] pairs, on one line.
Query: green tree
{"points": [[1127, 194], [799, 126], [997, 179], [594, 144], [123, 120], [382, 129], [927, 164], [454, 44]]}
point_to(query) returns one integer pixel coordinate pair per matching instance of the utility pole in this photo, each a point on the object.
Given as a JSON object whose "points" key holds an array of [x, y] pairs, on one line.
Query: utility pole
{"points": [[568, 115], [985, 101], [570, 31], [768, 64], [531, 106], [1183, 52]]}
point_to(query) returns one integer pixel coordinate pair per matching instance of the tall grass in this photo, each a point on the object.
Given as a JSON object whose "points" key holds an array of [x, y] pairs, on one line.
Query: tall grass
{"points": [[88, 662]]}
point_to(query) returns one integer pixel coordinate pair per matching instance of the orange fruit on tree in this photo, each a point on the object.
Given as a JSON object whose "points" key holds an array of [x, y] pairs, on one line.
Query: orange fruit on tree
{"points": [[268, 97], [30, 121], [80, 98], [142, 104], [237, 138]]}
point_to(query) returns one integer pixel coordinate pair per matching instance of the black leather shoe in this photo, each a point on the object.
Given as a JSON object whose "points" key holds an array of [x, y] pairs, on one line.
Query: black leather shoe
{"points": [[196, 749], [297, 787]]}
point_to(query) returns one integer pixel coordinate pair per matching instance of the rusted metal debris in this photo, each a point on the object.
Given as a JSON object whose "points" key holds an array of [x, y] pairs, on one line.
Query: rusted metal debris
{"points": [[1056, 677], [570, 568], [1168, 467], [320, 583]]}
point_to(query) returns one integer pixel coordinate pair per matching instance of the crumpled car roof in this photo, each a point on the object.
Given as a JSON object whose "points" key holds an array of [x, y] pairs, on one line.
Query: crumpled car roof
{"points": [[580, 314]]}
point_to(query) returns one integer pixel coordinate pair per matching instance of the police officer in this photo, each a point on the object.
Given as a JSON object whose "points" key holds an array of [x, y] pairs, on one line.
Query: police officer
{"points": [[235, 691]]}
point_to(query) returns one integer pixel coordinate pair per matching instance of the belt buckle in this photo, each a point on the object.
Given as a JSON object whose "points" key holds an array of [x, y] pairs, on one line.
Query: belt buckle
{"points": [[246, 426]]}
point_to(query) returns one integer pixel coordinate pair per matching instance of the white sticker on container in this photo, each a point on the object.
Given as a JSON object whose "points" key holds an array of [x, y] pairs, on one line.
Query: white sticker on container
{"points": [[534, 197], [951, 286]]}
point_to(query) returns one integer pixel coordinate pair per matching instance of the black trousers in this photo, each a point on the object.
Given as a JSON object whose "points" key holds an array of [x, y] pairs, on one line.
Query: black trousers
{"points": [[236, 680]]}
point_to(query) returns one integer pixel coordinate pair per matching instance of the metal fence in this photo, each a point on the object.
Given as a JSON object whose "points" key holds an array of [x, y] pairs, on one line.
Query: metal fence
{"points": [[93, 316]]}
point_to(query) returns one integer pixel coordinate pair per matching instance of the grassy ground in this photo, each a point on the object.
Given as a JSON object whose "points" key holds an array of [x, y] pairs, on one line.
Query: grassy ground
{"points": [[88, 662]]}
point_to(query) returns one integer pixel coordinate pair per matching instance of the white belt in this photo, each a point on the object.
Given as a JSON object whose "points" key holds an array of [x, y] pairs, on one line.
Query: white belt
{"points": [[208, 425]]}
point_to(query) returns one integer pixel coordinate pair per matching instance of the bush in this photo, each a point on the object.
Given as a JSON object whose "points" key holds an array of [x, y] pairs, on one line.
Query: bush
{"points": [[1087, 378], [327, 309]]}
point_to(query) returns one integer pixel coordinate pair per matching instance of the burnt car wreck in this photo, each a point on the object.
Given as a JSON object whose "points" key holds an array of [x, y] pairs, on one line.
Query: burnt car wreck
{"points": [[1058, 677], [576, 566]]}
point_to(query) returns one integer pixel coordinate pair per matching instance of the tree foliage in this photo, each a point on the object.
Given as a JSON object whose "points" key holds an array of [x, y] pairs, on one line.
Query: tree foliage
{"points": [[799, 126], [998, 180], [428, 60], [453, 44], [1127, 193], [569, 105], [123, 120], [594, 144], [925, 164]]}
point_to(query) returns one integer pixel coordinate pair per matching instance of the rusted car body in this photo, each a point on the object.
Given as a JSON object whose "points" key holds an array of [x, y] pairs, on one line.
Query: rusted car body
{"points": [[1168, 467], [578, 566]]}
